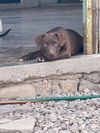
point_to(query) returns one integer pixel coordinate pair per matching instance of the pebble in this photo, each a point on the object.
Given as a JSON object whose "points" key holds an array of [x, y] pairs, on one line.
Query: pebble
{"points": [[79, 116]]}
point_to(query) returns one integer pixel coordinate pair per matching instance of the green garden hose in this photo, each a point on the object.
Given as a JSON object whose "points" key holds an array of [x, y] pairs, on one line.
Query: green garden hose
{"points": [[69, 98]]}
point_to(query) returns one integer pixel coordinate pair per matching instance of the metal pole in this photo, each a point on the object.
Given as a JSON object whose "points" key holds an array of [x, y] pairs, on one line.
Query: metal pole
{"points": [[87, 26]]}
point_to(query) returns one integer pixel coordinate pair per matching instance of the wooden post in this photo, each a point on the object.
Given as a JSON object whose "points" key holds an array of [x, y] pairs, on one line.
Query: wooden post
{"points": [[99, 22], [95, 26], [87, 26]]}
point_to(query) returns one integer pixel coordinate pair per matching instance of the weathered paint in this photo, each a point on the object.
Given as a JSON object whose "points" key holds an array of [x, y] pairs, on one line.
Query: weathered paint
{"points": [[99, 23], [95, 25], [87, 23]]}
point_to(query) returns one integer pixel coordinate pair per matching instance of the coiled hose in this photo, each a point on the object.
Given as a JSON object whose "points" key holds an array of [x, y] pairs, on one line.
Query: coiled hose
{"points": [[69, 98]]}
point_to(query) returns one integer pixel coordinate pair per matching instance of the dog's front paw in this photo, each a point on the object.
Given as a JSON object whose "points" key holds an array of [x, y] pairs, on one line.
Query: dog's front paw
{"points": [[40, 59], [20, 59]]}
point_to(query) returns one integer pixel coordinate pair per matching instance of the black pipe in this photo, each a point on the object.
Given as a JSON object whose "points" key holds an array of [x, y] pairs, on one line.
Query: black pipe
{"points": [[5, 33]]}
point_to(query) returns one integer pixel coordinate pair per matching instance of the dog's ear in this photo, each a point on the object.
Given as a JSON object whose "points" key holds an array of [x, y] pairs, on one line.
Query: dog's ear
{"points": [[38, 39], [61, 38]]}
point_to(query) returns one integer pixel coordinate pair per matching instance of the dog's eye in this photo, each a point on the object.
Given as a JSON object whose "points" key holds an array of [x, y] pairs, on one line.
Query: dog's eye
{"points": [[45, 45]]}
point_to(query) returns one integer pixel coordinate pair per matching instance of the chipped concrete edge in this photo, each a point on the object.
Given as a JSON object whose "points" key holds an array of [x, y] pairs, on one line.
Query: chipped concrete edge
{"points": [[84, 64]]}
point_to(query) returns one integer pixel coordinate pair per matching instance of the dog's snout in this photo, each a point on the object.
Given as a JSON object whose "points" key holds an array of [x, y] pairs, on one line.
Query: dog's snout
{"points": [[51, 52], [51, 55]]}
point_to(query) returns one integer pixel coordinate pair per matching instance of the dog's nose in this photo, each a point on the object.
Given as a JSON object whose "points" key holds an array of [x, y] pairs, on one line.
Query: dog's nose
{"points": [[51, 52], [51, 55]]}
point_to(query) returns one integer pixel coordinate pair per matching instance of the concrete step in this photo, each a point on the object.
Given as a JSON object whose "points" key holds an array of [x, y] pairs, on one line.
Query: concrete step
{"points": [[25, 125]]}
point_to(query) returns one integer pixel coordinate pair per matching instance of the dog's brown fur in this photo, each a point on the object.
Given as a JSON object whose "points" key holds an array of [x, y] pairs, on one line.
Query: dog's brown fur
{"points": [[57, 43]]}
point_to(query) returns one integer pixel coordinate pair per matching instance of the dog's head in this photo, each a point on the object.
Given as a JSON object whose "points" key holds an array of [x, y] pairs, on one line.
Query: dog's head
{"points": [[51, 44]]}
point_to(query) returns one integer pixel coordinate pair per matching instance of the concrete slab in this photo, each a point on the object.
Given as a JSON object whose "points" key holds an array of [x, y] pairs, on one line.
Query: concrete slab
{"points": [[25, 125], [50, 78], [18, 74]]}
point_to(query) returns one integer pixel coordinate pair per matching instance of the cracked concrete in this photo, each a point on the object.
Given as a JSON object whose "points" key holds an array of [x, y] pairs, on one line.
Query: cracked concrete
{"points": [[50, 78]]}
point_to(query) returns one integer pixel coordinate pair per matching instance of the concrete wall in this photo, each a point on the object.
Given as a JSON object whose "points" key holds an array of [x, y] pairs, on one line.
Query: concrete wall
{"points": [[24, 3], [51, 78], [27, 3], [48, 1], [33, 3]]}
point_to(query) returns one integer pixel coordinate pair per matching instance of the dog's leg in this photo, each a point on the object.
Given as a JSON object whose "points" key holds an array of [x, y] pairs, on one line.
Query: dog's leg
{"points": [[31, 56], [66, 52], [64, 55]]}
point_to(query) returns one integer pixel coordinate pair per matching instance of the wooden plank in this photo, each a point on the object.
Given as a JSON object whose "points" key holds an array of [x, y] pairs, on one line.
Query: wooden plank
{"points": [[99, 22], [87, 25], [95, 27], [84, 26]]}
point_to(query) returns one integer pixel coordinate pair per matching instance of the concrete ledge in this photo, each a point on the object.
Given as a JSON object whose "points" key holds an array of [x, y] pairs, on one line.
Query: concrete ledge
{"points": [[57, 77], [84, 64]]}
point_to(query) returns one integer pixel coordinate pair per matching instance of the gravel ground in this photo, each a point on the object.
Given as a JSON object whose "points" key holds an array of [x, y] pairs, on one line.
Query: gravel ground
{"points": [[79, 116]]}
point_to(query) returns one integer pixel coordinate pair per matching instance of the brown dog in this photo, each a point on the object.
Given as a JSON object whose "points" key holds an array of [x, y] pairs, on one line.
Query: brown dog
{"points": [[57, 43]]}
